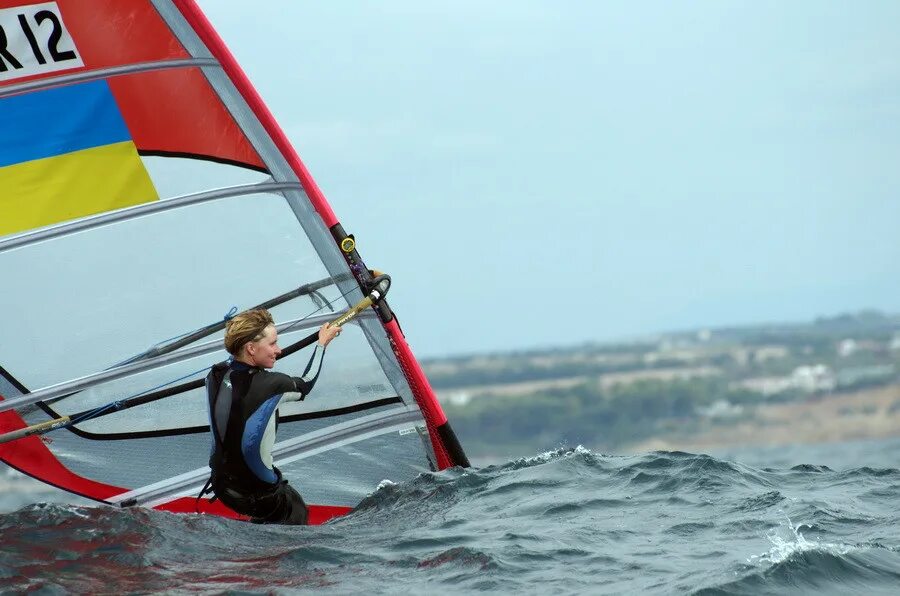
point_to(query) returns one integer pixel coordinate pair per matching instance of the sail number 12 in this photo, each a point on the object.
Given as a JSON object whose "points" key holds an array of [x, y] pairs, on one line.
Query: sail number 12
{"points": [[34, 40]]}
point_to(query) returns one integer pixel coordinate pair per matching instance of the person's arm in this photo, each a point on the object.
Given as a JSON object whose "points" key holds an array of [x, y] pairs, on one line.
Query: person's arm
{"points": [[304, 383]]}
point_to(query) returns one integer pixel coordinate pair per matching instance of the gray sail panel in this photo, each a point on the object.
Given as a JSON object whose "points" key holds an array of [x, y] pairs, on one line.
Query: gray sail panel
{"points": [[302, 207], [262, 143]]}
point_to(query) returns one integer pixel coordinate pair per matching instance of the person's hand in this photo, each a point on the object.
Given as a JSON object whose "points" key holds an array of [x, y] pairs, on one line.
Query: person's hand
{"points": [[327, 333]]}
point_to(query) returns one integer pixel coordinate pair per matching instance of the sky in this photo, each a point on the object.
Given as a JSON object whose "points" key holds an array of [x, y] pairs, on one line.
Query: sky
{"points": [[538, 173]]}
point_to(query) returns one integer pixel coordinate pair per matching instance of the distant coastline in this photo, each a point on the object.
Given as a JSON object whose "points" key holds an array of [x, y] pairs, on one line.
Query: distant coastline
{"points": [[849, 416], [832, 379]]}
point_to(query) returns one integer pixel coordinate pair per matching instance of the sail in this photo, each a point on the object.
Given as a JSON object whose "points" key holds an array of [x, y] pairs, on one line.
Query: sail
{"points": [[146, 192]]}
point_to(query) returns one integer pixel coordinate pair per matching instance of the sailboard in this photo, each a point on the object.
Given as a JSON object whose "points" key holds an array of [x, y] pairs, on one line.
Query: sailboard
{"points": [[147, 193]]}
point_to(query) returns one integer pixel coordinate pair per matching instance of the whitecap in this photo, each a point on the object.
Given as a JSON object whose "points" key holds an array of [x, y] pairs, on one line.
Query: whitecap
{"points": [[784, 548]]}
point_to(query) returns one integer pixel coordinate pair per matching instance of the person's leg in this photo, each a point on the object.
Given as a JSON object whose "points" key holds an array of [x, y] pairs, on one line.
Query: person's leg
{"points": [[235, 501], [298, 514], [284, 506]]}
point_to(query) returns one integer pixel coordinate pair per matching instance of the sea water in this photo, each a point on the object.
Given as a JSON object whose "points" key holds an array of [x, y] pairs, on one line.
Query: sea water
{"points": [[788, 520]]}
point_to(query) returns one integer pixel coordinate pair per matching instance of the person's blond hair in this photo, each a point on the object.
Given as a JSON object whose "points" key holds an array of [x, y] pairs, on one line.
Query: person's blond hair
{"points": [[245, 327]]}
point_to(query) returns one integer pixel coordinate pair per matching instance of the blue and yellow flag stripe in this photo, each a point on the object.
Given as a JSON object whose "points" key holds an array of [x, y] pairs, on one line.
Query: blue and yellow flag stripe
{"points": [[66, 153]]}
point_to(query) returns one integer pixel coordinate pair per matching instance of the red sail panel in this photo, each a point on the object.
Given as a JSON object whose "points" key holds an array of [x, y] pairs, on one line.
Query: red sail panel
{"points": [[176, 112], [31, 456]]}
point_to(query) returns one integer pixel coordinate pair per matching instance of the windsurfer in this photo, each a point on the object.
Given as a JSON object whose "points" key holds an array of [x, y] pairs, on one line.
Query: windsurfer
{"points": [[243, 408]]}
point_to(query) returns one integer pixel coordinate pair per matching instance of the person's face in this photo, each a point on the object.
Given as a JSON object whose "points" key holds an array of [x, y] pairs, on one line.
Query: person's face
{"points": [[265, 350]]}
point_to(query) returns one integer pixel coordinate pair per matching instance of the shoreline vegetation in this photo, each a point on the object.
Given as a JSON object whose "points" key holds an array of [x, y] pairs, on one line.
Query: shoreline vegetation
{"points": [[834, 379]]}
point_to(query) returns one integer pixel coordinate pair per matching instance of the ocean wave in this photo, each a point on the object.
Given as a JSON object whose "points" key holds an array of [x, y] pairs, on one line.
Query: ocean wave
{"points": [[568, 520]]}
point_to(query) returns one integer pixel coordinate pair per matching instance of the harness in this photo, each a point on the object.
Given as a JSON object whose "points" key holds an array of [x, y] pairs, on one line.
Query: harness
{"points": [[218, 378]]}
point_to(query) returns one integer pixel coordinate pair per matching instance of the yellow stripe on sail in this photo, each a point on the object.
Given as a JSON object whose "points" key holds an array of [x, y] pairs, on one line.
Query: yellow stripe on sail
{"points": [[47, 191]]}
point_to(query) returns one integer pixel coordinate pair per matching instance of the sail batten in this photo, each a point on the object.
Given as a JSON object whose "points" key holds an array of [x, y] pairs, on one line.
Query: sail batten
{"points": [[105, 73], [127, 213]]}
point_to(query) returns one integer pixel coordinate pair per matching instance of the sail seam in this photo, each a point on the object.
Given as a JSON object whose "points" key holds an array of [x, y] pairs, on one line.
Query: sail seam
{"points": [[201, 157]]}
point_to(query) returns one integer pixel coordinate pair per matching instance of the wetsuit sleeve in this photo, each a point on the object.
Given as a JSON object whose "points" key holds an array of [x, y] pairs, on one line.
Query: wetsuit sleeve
{"points": [[304, 384]]}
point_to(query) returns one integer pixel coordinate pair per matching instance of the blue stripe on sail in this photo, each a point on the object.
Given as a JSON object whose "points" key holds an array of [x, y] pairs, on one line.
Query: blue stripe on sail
{"points": [[59, 121]]}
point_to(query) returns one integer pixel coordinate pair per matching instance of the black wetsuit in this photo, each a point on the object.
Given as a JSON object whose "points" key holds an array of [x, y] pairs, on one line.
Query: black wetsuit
{"points": [[243, 407]]}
